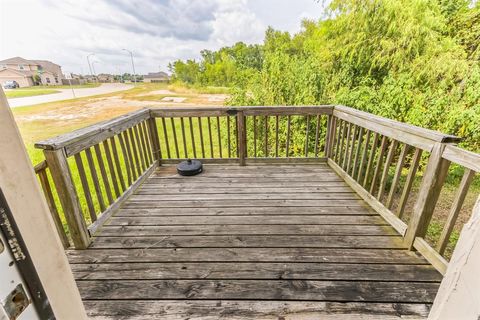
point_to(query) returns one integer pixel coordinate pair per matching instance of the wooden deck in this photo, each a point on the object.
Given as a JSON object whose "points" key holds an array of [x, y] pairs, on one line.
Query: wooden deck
{"points": [[260, 242]]}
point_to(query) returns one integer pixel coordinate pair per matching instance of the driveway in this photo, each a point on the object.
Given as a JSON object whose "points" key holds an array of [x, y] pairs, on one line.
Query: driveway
{"points": [[66, 94]]}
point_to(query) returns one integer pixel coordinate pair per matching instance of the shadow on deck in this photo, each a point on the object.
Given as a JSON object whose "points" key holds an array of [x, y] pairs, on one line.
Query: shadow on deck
{"points": [[268, 242]]}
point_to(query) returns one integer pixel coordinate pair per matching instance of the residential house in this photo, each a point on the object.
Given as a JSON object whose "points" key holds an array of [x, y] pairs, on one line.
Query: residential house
{"points": [[30, 72], [156, 77]]}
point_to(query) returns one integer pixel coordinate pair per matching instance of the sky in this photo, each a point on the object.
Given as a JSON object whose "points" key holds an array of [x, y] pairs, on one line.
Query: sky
{"points": [[156, 31]]}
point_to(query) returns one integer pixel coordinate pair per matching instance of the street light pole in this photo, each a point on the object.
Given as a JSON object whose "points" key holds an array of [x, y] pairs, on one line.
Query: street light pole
{"points": [[90, 65], [133, 66]]}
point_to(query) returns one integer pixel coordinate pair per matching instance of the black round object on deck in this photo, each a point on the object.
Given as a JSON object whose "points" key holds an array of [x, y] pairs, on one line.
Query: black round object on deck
{"points": [[189, 167]]}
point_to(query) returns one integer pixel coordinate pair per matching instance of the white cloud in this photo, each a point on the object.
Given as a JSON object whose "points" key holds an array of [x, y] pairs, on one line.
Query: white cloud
{"points": [[157, 31]]}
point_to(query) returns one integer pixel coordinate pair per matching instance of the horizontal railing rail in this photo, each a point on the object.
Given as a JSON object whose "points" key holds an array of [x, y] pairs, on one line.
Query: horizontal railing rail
{"points": [[397, 168]]}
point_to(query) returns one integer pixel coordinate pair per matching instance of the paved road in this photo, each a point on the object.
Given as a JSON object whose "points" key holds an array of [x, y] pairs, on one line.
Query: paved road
{"points": [[66, 94]]}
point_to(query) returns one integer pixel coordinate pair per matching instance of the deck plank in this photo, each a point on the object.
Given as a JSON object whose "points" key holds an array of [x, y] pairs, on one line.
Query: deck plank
{"points": [[273, 310], [299, 290], [147, 231], [269, 242], [251, 271]]}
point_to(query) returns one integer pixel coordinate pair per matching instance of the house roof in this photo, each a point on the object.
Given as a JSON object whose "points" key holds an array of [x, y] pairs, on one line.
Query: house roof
{"points": [[18, 60], [156, 75], [45, 64]]}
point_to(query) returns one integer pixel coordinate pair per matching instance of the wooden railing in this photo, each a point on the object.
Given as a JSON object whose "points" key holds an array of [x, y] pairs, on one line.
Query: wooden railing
{"points": [[397, 168], [372, 154], [242, 134], [99, 167]]}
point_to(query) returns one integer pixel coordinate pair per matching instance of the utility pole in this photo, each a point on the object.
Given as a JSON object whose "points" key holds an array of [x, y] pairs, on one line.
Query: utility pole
{"points": [[90, 65], [133, 66]]}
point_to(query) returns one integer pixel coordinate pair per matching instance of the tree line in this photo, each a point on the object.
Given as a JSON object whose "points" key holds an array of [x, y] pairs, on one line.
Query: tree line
{"points": [[415, 61]]}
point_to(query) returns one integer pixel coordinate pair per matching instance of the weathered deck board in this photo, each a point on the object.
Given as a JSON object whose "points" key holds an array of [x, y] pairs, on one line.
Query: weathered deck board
{"points": [[228, 309], [148, 231], [299, 290], [251, 242], [249, 270], [250, 220]]}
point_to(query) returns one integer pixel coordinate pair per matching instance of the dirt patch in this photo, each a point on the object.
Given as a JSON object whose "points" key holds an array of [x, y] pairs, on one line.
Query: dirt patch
{"points": [[215, 97], [174, 99]]}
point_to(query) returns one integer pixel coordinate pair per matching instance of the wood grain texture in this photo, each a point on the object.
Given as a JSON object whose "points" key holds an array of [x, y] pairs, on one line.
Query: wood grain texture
{"points": [[273, 233], [240, 309]]}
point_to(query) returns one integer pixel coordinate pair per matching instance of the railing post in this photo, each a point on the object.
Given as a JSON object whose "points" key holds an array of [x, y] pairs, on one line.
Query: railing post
{"points": [[432, 182], [242, 138], [62, 177], [154, 139]]}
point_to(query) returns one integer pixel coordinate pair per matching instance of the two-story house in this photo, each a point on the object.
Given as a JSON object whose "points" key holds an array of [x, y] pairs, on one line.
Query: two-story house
{"points": [[30, 72]]}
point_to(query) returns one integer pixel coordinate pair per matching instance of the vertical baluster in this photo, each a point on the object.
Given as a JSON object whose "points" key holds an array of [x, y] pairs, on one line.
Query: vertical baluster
{"points": [[266, 137], [128, 164], [154, 146], [103, 173], [86, 187], [219, 137], [184, 139], [254, 136], [287, 144], [317, 133], [134, 152], [96, 183], [140, 151], [352, 148], [145, 143], [130, 155], [175, 140], [276, 136], [398, 174], [210, 137], [364, 156], [455, 210], [229, 143], [111, 168], [383, 148], [409, 182], [371, 159], [237, 135], [339, 144], [192, 137], [347, 146], [242, 138], [307, 131], [357, 153], [386, 169], [117, 163], [200, 128], [165, 135]]}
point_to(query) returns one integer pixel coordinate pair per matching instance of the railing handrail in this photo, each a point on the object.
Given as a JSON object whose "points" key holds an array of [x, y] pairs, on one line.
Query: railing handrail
{"points": [[105, 129], [433, 135]]}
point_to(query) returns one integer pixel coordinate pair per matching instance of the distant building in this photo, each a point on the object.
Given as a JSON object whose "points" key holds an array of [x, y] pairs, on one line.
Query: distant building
{"points": [[156, 77], [105, 78], [30, 72]]}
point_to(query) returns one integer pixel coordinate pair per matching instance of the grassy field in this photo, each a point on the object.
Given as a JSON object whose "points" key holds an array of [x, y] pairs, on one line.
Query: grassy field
{"points": [[20, 93], [43, 90]]}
